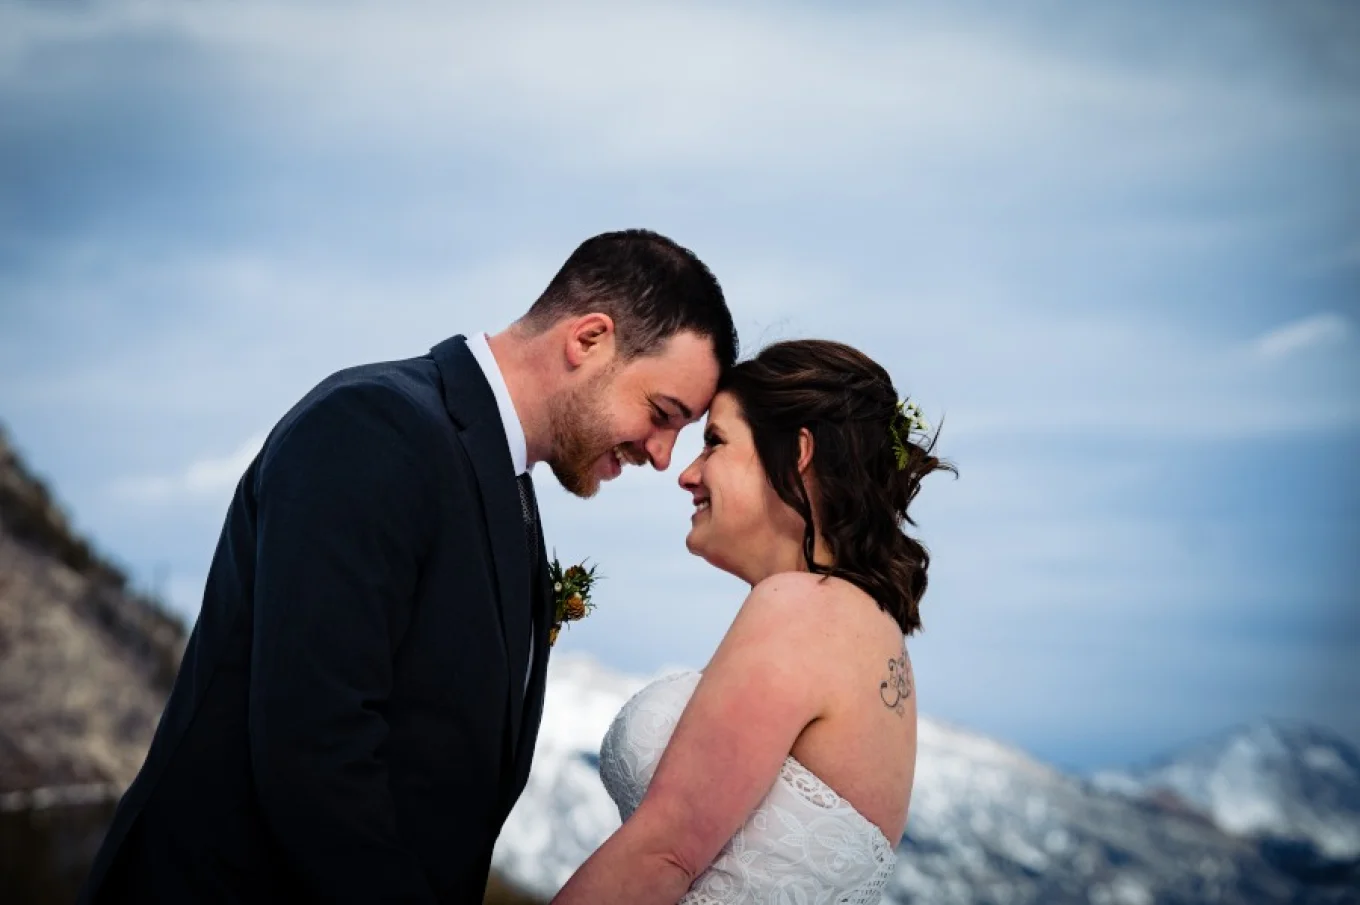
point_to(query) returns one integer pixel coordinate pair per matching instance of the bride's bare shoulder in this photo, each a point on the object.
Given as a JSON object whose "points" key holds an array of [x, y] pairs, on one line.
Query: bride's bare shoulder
{"points": [[785, 598], [798, 608], [803, 595]]}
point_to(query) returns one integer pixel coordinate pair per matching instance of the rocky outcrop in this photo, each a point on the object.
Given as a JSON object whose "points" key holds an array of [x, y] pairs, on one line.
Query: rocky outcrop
{"points": [[85, 666]]}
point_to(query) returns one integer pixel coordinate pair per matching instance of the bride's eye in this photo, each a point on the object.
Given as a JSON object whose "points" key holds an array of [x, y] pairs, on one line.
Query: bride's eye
{"points": [[711, 440]]}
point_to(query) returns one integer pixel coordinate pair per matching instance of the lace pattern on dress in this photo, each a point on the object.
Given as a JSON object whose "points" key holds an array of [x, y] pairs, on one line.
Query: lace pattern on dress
{"points": [[803, 843]]}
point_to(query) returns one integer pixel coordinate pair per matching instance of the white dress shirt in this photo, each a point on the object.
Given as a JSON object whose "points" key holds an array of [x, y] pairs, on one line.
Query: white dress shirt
{"points": [[514, 431]]}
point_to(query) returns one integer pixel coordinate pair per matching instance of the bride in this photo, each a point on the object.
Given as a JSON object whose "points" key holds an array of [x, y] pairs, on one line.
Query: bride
{"points": [[783, 771]]}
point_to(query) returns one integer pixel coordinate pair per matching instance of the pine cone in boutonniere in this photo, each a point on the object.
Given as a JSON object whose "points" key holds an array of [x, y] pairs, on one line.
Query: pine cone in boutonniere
{"points": [[571, 594]]}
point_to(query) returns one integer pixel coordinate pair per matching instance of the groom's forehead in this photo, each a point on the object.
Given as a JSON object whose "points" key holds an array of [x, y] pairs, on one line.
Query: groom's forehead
{"points": [[685, 373], [688, 403]]}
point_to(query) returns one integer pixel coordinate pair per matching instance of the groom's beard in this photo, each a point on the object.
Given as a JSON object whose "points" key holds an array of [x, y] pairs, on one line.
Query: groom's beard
{"points": [[580, 436]]}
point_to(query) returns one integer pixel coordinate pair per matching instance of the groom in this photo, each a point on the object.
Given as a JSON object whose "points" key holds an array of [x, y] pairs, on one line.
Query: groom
{"points": [[357, 707]]}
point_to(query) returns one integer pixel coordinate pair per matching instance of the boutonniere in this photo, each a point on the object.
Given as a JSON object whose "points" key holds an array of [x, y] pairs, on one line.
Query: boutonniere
{"points": [[571, 594]]}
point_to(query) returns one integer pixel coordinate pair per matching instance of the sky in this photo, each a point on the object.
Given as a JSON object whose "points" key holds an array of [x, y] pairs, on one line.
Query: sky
{"points": [[1113, 248]]}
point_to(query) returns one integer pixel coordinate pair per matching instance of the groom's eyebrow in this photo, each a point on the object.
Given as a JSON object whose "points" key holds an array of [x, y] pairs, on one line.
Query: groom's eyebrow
{"points": [[684, 409]]}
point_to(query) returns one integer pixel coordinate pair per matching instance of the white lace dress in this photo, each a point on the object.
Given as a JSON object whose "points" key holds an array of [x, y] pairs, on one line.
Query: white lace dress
{"points": [[803, 844]]}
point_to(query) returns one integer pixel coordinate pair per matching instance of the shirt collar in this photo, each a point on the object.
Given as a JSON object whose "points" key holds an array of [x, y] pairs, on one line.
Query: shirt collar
{"points": [[514, 431]]}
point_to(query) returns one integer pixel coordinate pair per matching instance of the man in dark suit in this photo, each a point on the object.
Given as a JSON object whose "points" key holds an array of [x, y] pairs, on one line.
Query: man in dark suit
{"points": [[357, 707]]}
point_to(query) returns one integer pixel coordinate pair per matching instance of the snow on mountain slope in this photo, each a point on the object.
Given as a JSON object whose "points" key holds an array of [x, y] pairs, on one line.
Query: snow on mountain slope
{"points": [[990, 824], [1269, 780], [565, 813]]}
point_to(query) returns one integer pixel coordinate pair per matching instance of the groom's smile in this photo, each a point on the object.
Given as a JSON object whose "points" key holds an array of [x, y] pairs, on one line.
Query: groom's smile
{"points": [[646, 401], [610, 465]]}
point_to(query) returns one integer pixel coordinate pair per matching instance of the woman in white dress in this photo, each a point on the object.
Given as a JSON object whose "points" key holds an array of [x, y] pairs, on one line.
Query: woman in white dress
{"points": [[783, 771]]}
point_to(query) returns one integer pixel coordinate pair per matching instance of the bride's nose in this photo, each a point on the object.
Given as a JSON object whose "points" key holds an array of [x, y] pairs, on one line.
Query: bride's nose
{"points": [[689, 478]]}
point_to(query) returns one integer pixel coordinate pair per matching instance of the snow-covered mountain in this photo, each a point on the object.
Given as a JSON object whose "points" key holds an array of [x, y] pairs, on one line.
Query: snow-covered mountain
{"points": [[988, 823], [565, 813], [1295, 788]]}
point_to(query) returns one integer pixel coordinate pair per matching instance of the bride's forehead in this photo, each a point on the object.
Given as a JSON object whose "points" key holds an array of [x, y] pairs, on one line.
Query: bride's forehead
{"points": [[724, 409]]}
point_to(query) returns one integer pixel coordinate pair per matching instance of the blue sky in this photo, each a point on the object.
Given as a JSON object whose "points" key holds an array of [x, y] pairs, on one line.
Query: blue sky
{"points": [[1113, 247]]}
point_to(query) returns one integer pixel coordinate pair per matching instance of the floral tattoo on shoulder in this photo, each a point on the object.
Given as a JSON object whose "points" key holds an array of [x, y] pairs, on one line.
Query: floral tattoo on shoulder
{"points": [[897, 687]]}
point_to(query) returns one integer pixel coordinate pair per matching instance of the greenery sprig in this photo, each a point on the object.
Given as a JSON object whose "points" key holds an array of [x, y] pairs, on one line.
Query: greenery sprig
{"points": [[908, 420]]}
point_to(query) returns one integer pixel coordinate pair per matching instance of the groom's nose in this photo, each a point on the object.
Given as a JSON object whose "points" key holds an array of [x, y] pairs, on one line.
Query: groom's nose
{"points": [[659, 448]]}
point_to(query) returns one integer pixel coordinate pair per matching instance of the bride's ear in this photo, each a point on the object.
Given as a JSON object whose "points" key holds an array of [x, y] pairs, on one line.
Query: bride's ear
{"points": [[805, 447]]}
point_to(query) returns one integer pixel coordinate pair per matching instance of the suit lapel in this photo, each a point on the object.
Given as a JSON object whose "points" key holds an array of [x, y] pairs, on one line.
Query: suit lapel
{"points": [[544, 605], [472, 405]]}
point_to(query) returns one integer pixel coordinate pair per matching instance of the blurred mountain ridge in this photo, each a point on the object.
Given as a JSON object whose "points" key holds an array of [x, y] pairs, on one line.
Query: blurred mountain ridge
{"points": [[1293, 787]]}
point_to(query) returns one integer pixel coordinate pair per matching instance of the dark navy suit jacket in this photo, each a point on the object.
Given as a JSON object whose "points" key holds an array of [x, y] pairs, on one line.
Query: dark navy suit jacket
{"points": [[351, 722]]}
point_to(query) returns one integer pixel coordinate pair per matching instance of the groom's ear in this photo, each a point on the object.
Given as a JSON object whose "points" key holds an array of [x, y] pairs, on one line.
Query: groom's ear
{"points": [[805, 448], [590, 337]]}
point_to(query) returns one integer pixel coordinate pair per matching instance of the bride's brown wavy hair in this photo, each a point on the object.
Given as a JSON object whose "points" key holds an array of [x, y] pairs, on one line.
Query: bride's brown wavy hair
{"points": [[848, 404]]}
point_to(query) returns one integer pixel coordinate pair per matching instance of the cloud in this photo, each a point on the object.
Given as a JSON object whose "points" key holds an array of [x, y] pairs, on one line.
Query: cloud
{"points": [[1317, 331], [995, 362], [991, 365], [206, 480], [1343, 256], [863, 100]]}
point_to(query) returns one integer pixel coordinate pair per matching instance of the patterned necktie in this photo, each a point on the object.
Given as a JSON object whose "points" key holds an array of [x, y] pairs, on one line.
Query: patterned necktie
{"points": [[528, 506]]}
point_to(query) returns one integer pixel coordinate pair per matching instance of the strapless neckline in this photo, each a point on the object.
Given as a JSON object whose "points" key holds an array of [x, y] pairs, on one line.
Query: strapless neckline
{"points": [[805, 782]]}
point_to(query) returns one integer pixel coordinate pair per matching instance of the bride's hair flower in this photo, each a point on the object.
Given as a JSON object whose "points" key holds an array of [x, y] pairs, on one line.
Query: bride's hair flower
{"points": [[571, 593], [906, 421]]}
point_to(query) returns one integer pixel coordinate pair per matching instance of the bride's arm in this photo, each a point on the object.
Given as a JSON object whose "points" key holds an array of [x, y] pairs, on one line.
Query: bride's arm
{"points": [[755, 698]]}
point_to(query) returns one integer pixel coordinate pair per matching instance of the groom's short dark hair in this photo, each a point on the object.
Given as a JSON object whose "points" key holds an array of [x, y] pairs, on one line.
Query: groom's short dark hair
{"points": [[652, 287]]}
